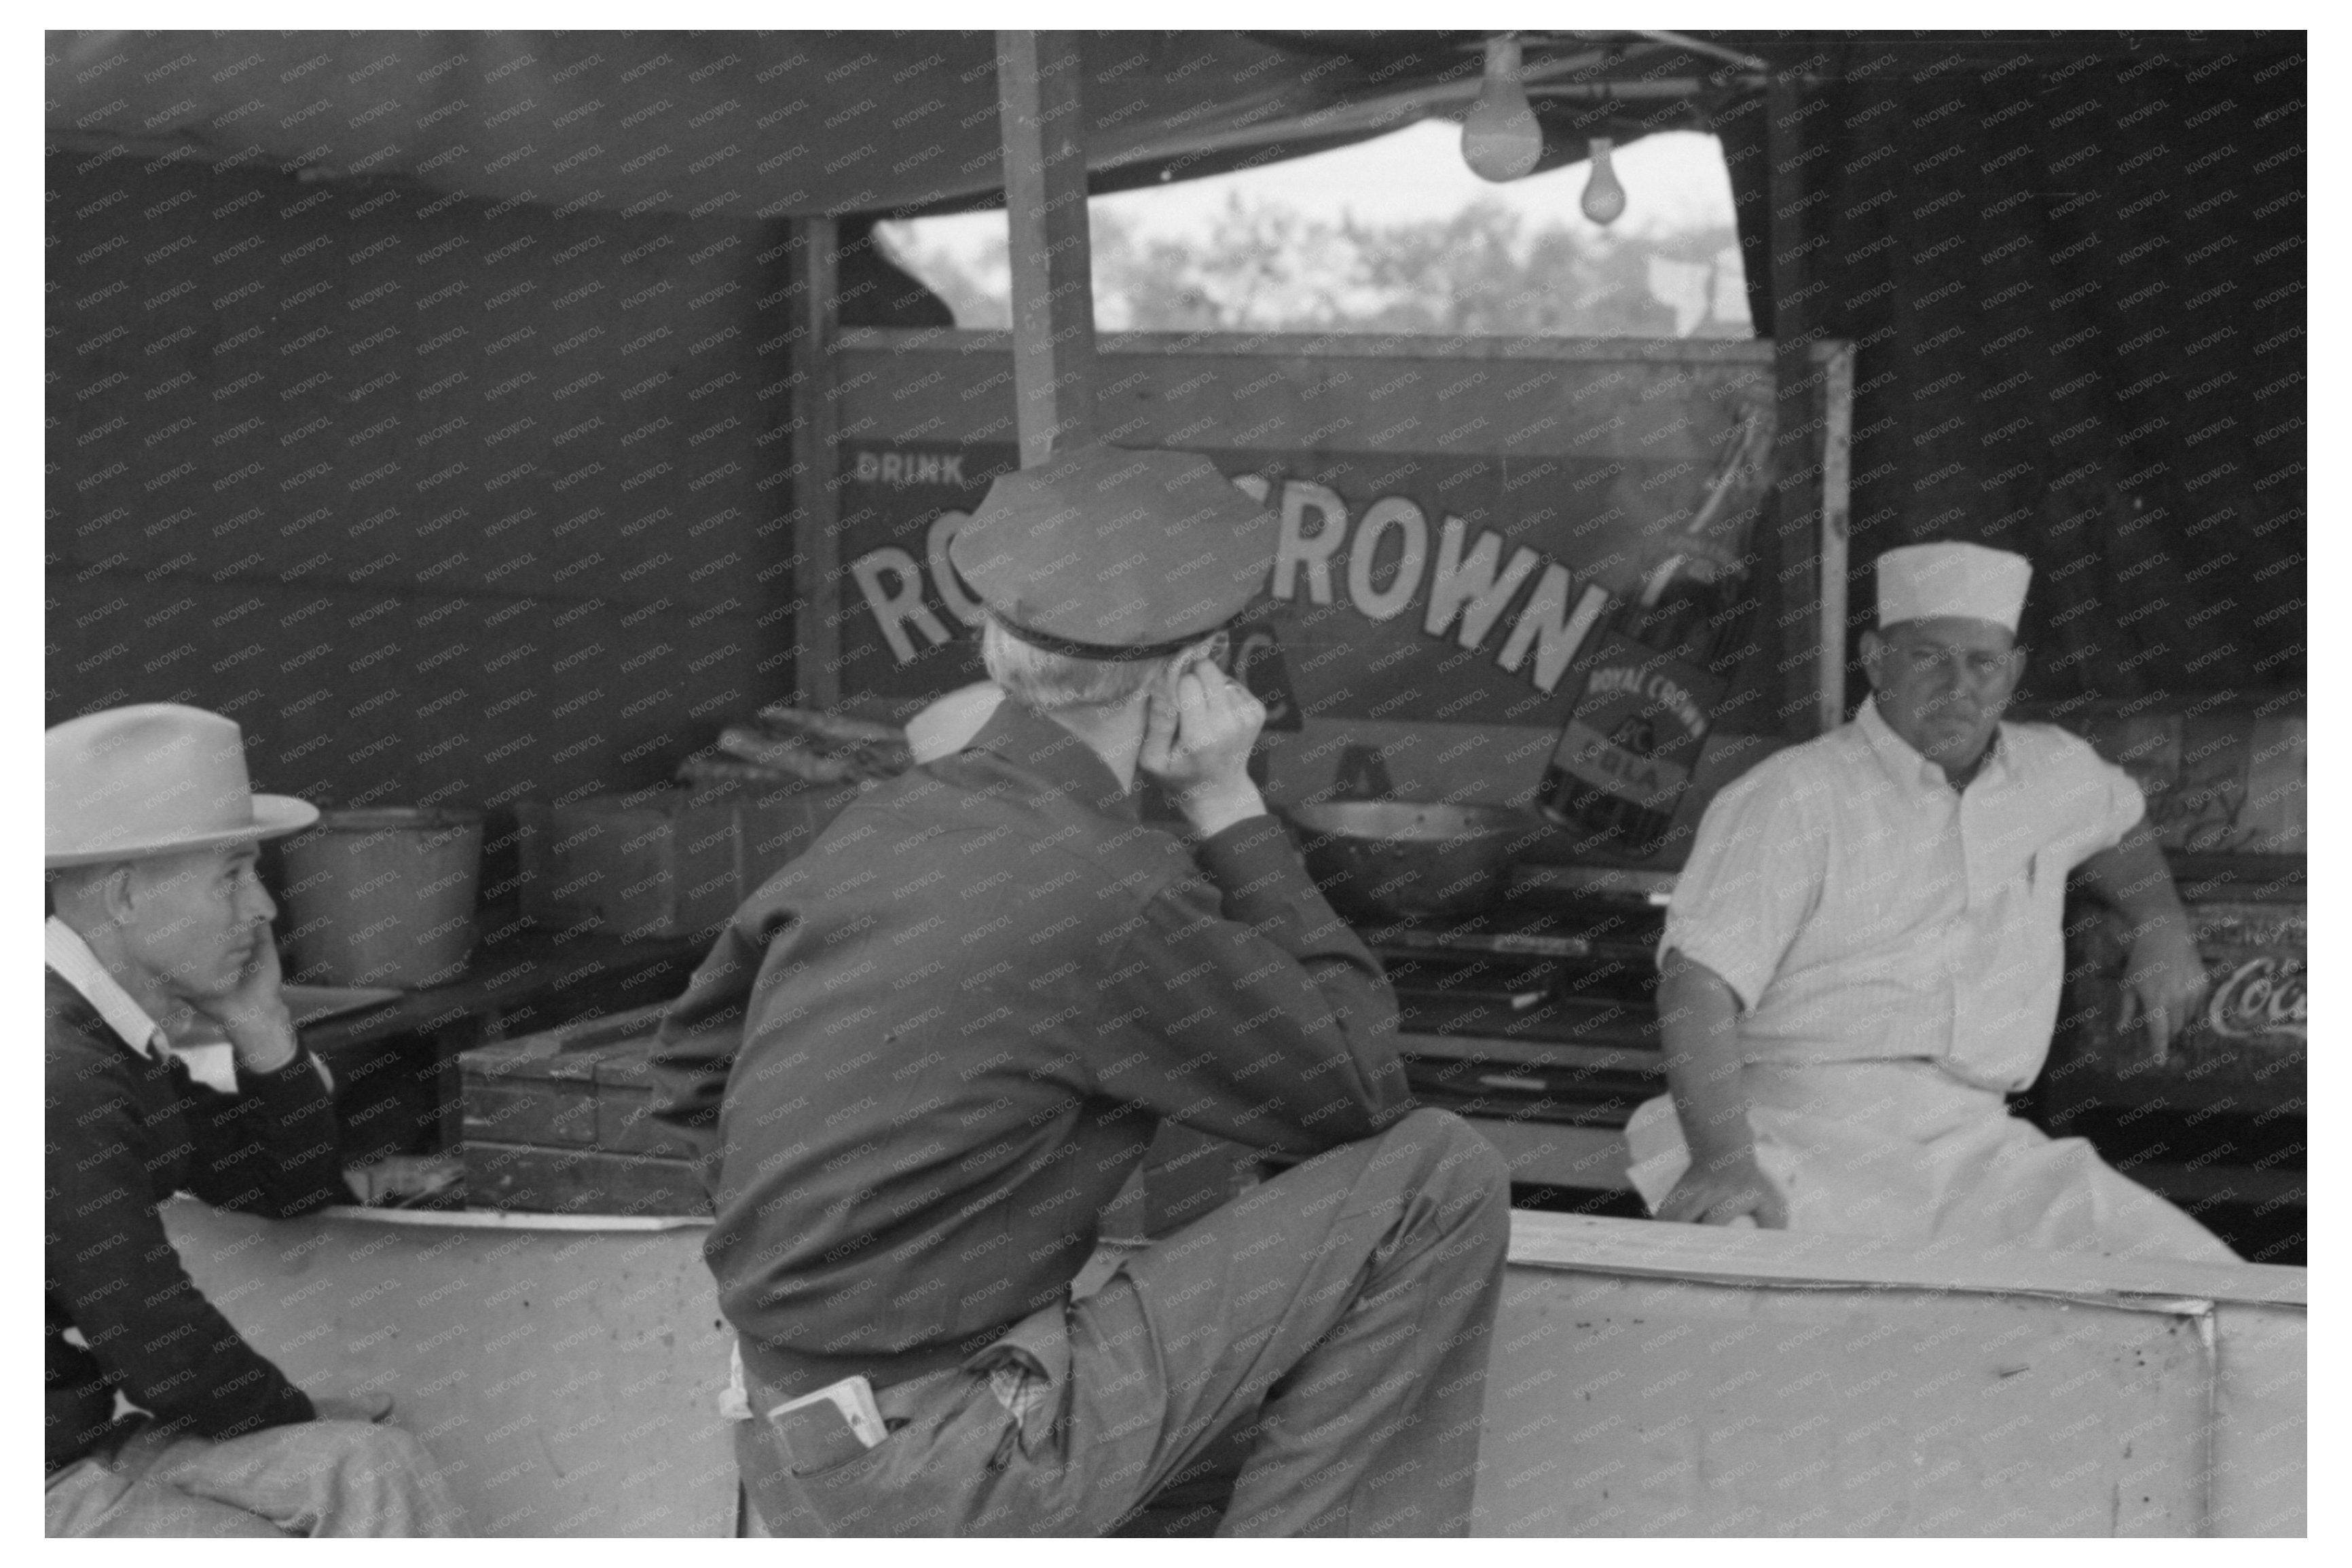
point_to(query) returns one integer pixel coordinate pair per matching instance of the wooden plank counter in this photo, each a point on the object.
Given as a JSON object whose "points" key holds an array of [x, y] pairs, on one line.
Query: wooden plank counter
{"points": [[563, 1370], [1685, 1380], [1647, 1379]]}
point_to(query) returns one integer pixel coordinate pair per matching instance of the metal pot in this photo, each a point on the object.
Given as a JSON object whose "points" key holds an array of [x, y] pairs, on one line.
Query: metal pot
{"points": [[1408, 860]]}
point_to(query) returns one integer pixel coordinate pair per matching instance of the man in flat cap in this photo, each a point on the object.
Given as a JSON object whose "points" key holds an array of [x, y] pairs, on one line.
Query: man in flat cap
{"points": [[152, 832], [964, 1011], [1863, 954]]}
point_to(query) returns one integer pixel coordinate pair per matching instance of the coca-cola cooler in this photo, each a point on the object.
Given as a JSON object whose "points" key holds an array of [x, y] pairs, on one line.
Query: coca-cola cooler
{"points": [[2243, 1052], [2214, 1120]]}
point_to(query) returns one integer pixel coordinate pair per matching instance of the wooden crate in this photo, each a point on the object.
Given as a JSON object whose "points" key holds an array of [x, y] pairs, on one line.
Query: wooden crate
{"points": [[662, 863], [529, 1178], [633, 866], [558, 1122]]}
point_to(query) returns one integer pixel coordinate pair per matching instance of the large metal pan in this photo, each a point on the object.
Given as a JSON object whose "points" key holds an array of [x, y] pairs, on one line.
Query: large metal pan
{"points": [[1409, 860]]}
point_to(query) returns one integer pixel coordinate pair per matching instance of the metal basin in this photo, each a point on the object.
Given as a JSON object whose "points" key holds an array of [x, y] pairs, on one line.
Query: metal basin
{"points": [[1409, 860]]}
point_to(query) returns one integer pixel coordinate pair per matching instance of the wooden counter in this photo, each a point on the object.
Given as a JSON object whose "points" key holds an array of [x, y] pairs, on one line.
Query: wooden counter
{"points": [[1687, 1380], [564, 1372], [1647, 1379]]}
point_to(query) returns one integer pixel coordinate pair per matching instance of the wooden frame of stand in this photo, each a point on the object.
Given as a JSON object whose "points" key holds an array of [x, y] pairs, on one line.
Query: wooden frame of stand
{"points": [[1053, 354]]}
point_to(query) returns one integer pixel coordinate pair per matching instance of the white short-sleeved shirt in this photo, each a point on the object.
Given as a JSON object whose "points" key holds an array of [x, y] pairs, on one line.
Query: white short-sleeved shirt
{"points": [[1864, 910]]}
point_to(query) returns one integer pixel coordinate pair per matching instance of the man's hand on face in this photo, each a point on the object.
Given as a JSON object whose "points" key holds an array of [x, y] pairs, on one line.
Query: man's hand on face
{"points": [[2164, 983], [1198, 731], [1723, 1188], [253, 1013]]}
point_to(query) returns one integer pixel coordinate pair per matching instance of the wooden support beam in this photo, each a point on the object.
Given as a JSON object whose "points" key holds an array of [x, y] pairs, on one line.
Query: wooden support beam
{"points": [[1837, 510], [1796, 471], [1053, 269], [816, 464]]}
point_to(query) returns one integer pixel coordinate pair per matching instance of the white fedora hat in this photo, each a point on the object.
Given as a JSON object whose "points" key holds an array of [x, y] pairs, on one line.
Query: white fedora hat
{"points": [[156, 779]]}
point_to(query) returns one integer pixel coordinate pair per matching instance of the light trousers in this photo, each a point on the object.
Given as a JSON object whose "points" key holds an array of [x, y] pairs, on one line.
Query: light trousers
{"points": [[311, 1479]]}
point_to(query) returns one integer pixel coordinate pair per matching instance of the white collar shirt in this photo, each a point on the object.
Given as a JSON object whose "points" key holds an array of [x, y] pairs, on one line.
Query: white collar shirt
{"points": [[1863, 909], [210, 1062]]}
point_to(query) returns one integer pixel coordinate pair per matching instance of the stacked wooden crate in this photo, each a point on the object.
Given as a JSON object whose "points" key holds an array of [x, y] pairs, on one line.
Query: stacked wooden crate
{"points": [[668, 862], [557, 1123]]}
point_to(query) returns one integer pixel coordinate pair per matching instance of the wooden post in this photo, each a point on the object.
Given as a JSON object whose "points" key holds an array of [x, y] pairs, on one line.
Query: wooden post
{"points": [[1053, 269], [816, 465], [1837, 506], [1795, 475]]}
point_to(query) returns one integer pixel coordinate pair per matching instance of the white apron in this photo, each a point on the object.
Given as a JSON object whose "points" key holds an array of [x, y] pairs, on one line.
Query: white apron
{"points": [[1902, 1151]]}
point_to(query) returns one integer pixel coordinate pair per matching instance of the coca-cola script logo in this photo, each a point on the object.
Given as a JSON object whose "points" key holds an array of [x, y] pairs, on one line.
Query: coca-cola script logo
{"points": [[2262, 997]]}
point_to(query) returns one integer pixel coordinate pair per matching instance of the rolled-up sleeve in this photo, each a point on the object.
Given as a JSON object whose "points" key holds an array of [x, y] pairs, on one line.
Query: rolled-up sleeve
{"points": [[1755, 874], [2112, 804]]}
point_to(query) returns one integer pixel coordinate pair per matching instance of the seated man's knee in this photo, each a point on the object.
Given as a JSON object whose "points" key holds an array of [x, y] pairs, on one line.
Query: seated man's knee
{"points": [[373, 1446], [385, 1481], [1460, 1160]]}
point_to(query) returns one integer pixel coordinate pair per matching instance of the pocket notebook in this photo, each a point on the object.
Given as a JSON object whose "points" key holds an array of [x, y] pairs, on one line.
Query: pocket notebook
{"points": [[830, 1427]]}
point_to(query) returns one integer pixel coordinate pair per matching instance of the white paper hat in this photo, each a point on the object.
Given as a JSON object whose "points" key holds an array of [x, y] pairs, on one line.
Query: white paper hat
{"points": [[1918, 582]]}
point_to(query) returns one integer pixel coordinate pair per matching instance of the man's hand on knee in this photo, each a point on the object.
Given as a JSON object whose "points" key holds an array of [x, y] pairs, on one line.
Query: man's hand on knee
{"points": [[1722, 1190], [371, 1404]]}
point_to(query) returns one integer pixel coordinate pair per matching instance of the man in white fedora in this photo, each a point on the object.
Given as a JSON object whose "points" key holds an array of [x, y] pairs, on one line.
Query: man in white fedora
{"points": [[161, 1420], [1863, 956]]}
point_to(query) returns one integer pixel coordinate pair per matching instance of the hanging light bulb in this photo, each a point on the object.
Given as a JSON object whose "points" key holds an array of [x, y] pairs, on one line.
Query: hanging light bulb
{"points": [[1604, 197], [1500, 138]]}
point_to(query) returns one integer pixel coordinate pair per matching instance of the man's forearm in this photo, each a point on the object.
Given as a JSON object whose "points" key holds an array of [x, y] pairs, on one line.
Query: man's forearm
{"points": [[2133, 879], [1210, 810], [265, 1043], [1698, 1017]]}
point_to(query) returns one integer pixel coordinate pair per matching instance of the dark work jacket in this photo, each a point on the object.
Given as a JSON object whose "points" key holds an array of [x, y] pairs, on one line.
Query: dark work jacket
{"points": [[966, 1009], [124, 1133]]}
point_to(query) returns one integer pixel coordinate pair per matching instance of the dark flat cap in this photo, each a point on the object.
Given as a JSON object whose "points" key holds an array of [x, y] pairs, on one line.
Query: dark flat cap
{"points": [[1111, 553]]}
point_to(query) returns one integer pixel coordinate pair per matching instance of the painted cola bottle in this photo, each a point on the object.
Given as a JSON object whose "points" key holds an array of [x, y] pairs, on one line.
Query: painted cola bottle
{"points": [[1634, 733]]}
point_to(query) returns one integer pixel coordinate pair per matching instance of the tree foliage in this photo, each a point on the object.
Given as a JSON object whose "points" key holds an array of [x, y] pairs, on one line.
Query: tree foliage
{"points": [[1265, 267]]}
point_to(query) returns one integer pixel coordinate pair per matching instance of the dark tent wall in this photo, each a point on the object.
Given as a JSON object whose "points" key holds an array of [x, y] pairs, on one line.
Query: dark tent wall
{"points": [[437, 499], [2077, 287]]}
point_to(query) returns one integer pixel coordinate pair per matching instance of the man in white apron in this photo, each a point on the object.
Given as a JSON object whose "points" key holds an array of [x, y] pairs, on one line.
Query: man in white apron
{"points": [[1863, 956]]}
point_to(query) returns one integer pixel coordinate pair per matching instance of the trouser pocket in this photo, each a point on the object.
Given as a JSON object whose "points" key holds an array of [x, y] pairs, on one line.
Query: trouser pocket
{"points": [[856, 1492], [1027, 1372]]}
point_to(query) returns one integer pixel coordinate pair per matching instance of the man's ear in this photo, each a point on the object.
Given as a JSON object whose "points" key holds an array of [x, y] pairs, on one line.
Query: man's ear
{"points": [[1209, 649], [112, 888], [1873, 649], [1160, 690]]}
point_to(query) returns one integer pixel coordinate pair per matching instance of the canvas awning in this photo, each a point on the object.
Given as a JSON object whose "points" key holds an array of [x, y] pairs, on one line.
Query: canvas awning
{"points": [[765, 125]]}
